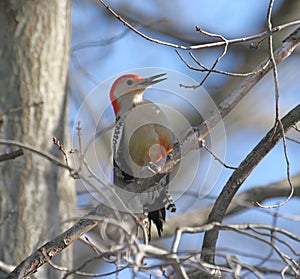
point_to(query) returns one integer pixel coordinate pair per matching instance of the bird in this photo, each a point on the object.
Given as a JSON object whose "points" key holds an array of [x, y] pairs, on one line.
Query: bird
{"points": [[141, 141]]}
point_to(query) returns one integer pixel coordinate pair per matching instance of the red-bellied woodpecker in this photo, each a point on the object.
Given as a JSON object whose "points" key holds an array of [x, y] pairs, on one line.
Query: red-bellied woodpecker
{"points": [[141, 138]]}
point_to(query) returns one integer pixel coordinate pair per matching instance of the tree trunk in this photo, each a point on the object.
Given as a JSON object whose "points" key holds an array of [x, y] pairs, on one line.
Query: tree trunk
{"points": [[35, 196]]}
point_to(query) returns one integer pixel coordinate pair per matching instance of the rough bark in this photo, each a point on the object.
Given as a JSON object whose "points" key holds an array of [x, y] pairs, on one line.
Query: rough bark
{"points": [[34, 195]]}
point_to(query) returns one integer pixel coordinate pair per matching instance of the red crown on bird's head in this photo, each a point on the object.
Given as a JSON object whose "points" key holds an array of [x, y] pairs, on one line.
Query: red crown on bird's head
{"points": [[130, 83]]}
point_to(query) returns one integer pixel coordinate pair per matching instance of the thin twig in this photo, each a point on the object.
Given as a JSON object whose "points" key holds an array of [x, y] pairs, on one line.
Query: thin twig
{"points": [[34, 150], [202, 46], [291, 139], [61, 148], [218, 159], [259, 233], [83, 70], [219, 71], [272, 59], [220, 56], [277, 114], [226, 106]]}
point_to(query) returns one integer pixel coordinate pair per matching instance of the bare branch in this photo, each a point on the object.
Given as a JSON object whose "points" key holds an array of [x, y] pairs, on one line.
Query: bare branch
{"points": [[220, 56], [61, 148], [286, 49], [35, 151], [218, 159], [239, 203], [255, 231], [202, 46], [11, 155], [206, 69], [294, 140], [277, 114], [52, 248], [193, 140], [239, 176]]}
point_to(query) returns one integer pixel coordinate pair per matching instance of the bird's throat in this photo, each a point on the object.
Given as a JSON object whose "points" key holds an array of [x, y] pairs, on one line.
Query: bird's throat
{"points": [[128, 101], [137, 99]]}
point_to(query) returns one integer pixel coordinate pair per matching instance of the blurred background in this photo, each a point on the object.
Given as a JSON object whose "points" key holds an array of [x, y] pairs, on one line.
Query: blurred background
{"points": [[103, 49]]}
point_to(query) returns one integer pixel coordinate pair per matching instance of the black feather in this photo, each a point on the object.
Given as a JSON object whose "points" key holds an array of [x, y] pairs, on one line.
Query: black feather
{"points": [[157, 217]]}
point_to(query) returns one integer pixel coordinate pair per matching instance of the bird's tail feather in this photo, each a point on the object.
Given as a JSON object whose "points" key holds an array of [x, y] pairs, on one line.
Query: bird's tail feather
{"points": [[158, 217]]}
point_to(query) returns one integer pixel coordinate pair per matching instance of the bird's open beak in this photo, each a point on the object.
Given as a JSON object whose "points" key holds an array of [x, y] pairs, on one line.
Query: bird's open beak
{"points": [[152, 80]]}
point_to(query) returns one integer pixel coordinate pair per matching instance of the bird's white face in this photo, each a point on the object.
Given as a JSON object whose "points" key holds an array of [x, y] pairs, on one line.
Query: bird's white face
{"points": [[128, 90]]}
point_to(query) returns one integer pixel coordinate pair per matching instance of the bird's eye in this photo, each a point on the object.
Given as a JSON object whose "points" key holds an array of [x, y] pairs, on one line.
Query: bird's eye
{"points": [[129, 82]]}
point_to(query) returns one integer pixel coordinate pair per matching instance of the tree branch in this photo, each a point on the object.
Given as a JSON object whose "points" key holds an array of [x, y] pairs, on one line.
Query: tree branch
{"points": [[51, 248], [239, 203], [239, 176], [11, 155], [201, 46], [193, 140]]}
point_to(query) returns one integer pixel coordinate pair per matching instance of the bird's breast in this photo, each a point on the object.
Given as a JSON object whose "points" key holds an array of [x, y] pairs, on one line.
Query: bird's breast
{"points": [[149, 143], [145, 138]]}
